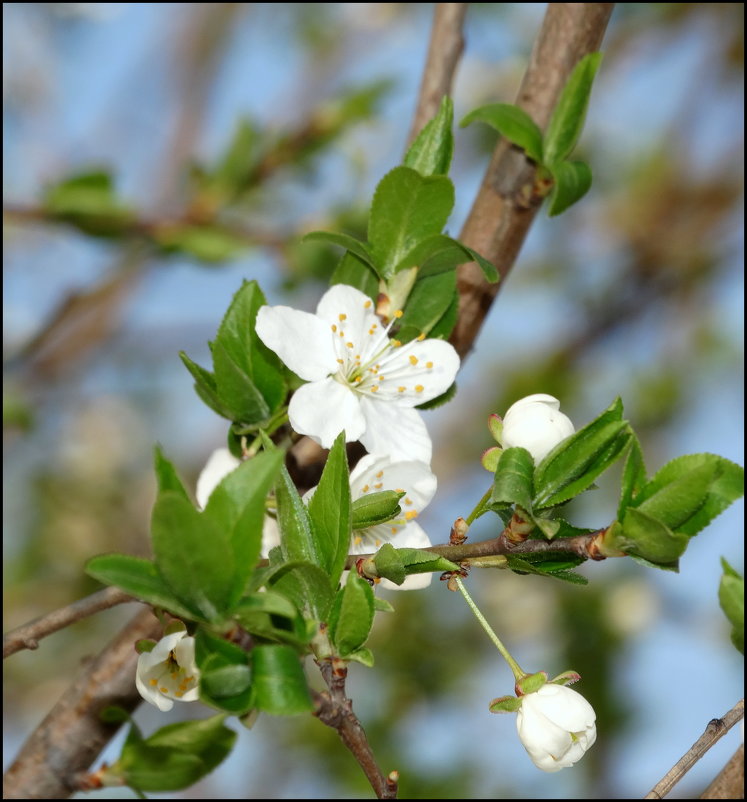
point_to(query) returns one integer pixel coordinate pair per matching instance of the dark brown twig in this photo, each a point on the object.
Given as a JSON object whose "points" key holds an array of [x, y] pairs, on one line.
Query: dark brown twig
{"points": [[507, 202], [29, 635], [716, 729], [444, 52], [72, 735], [335, 710]]}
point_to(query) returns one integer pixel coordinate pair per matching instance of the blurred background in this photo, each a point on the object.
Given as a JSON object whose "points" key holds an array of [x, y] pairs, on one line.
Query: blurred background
{"points": [[156, 154]]}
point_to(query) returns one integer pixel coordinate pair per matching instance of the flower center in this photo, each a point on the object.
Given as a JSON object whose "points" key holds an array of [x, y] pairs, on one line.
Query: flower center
{"points": [[172, 679]]}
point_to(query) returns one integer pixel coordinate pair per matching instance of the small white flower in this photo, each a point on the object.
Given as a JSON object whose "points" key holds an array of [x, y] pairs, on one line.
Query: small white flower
{"points": [[220, 463], [373, 474], [169, 671], [535, 423], [556, 725], [358, 378]]}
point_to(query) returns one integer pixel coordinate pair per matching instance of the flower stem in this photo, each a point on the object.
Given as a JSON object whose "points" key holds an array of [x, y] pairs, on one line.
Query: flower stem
{"points": [[480, 507], [514, 666]]}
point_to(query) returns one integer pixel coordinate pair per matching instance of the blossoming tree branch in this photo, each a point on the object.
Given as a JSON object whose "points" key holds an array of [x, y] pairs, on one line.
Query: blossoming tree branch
{"points": [[256, 580]]}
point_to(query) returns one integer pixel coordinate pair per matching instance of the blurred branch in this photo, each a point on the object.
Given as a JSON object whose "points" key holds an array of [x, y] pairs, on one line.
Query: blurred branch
{"points": [[444, 52], [335, 710], [506, 203], [72, 735], [716, 729], [29, 635], [729, 783]]}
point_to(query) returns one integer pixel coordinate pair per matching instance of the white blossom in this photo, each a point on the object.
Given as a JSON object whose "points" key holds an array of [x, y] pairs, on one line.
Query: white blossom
{"points": [[556, 725], [169, 671], [537, 424], [358, 378]]}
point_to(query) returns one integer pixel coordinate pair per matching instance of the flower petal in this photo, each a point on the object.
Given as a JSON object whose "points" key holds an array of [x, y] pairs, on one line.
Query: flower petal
{"points": [[352, 314], [412, 476], [151, 694], [220, 463], [419, 371], [564, 706], [322, 409], [303, 341], [396, 431]]}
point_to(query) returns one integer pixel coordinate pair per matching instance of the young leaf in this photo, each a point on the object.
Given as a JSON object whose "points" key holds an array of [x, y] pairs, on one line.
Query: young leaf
{"points": [[513, 123], [431, 152], [731, 599], [513, 479], [140, 579], [298, 539], [428, 301], [330, 511], [521, 565], [420, 561], [407, 208], [356, 273], [237, 506], [279, 681], [725, 485], [225, 674], [166, 475], [236, 390], [206, 387], [191, 555], [572, 182], [646, 537], [373, 509], [206, 738], [445, 324], [573, 465], [352, 615], [306, 584], [634, 476], [567, 120], [389, 564], [355, 246]]}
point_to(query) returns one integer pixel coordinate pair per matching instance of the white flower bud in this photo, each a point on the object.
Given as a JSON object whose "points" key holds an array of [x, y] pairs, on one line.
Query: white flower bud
{"points": [[537, 424], [556, 725], [169, 671]]}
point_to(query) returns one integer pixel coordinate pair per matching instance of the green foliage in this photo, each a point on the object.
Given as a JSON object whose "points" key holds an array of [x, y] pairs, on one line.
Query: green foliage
{"points": [[433, 148], [352, 614], [513, 123], [396, 564], [209, 243], [357, 273], [279, 682], [372, 509], [572, 180], [225, 674], [298, 539], [513, 483], [731, 599]]}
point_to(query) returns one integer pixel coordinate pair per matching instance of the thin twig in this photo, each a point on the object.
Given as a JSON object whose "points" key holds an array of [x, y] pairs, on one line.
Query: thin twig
{"points": [[29, 635], [444, 52], [72, 735], [335, 710], [716, 729], [729, 782], [507, 203]]}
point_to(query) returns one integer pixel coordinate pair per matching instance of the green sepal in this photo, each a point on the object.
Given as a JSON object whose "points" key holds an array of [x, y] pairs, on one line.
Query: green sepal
{"points": [[530, 683], [505, 704], [389, 564], [279, 681], [495, 426], [352, 614], [432, 149], [144, 646], [572, 180], [419, 561], [566, 678], [567, 120], [731, 599], [489, 459], [373, 509], [512, 123]]}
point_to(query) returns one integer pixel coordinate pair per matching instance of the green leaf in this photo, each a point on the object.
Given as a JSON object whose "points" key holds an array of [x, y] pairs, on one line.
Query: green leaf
{"points": [[420, 561], [567, 120], [139, 578], [573, 465], [646, 537], [236, 390], [237, 507], [225, 674], [389, 564], [634, 475], [356, 273], [209, 739], [352, 614], [330, 511], [298, 539], [428, 301], [207, 243], [440, 253], [226, 682], [723, 484], [407, 208], [513, 479], [192, 555], [446, 323], [731, 599], [431, 152], [268, 601], [168, 478], [572, 182], [373, 509], [279, 681], [355, 246], [363, 656], [521, 565], [306, 584], [206, 387], [511, 122]]}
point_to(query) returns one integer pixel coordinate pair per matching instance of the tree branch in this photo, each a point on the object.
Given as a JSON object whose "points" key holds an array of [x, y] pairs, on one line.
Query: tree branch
{"points": [[335, 710], [507, 203], [29, 635], [72, 735], [729, 783], [716, 729], [444, 52]]}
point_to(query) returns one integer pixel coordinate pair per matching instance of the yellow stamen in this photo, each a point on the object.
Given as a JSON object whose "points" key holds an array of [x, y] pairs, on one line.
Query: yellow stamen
{"points": [[421, 337], [410, 514], [394, 530], [379, 474], [342, 317], [399, 490], [408, 501], [401, 389], [419, 388], [341, 361], [357, 540], [179, 694], [366, 488], [398, 313], [349, 345], [396, 343], [378, 485], [374, 388], [164, 690], [413, 360], [154, 682], [334, 327], [429, 365], [367, 305]]}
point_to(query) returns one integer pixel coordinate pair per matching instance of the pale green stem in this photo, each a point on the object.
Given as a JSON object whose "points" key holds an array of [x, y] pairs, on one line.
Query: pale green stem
{"points": [[479, 509], [275, 423], [514, 666]]}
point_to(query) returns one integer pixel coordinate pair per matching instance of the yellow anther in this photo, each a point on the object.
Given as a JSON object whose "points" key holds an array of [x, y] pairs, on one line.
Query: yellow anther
{"points": [[179, 694], [334, 327], [421, 337], [357, 540], [381, 378], [164, 690], [377, 542], [379, 485], [429, 365], [349, 345], [174, 674], [379, 474], [341, 361], [398, 313], [408, 501], [375, 388], [367, 305], [342, 333], [401, 389], [419, 388], [358, 379], [399, 490], [342, 317], [154, 682], [366, 488], [410, 514], [396, 343], [413, 360], [394, 530]]}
